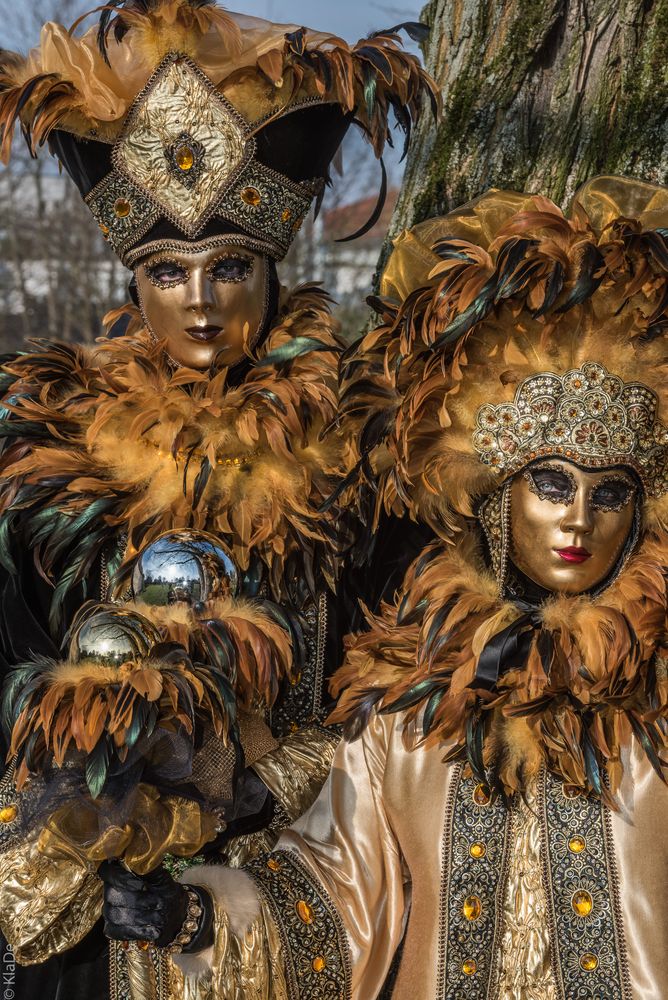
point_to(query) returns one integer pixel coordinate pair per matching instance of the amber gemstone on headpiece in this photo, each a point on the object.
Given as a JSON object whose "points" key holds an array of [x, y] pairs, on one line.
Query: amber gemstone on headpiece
{"points": [[588, 962], [477, 850], [251, 196], [305, 912], [122, 208], [273, 865], [8, 814], [469, 967], [482, 795], [318, 964], [472, 907], [582, 903], [184, 158], [576, 844]]}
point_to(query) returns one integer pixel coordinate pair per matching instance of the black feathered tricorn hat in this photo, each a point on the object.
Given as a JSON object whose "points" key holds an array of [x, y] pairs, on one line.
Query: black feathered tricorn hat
{"points": [[180, 122]]}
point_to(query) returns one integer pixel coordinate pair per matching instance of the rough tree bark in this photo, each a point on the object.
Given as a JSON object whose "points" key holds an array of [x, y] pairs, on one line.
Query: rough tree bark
{"points": [[539, 95]]}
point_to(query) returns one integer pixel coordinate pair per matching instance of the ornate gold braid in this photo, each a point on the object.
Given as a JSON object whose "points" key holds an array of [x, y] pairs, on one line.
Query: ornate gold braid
{"points": [[317, 957]]}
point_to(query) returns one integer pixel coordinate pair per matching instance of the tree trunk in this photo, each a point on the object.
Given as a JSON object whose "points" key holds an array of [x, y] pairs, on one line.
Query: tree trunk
{"points": [[539, 96]]}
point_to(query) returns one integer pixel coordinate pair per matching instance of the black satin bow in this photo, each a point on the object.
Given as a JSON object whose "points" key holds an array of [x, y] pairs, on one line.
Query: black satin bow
{"points": [[509, 648]]}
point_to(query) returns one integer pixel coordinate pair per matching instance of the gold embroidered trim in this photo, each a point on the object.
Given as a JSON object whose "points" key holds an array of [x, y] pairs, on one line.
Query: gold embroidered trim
{"points": [[470, 892], [317, 957], [585, 939]]}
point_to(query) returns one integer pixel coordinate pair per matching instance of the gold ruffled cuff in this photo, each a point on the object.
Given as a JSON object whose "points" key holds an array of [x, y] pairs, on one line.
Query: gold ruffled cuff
{"points": [[159, 825], [46, 905]]}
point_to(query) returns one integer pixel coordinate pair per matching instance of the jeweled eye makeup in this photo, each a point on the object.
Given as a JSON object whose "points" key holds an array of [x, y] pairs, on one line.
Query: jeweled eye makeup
{"points": [[551, 482], [613, 493], [167, 273], [230, 267]]}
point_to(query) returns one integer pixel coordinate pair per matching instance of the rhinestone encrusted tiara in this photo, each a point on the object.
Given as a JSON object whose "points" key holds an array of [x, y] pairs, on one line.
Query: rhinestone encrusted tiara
{"points": [[587, 415]]}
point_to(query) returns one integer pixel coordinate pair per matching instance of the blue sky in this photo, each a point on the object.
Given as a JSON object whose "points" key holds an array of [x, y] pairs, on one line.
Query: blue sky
{"points": [[352, 19], [349, 18]]}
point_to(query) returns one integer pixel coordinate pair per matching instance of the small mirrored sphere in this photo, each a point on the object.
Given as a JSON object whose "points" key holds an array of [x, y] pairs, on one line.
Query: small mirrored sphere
{"points": [[111, 635], [184, 567]]}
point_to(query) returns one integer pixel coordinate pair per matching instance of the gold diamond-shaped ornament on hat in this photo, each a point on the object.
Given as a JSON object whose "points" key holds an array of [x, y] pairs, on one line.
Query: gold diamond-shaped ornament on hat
{"points": [[183, 143]]}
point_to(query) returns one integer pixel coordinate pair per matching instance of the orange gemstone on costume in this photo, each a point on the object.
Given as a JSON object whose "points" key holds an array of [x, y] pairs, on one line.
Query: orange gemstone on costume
{"points": [[286, 215], [469, 967], [588, 962], [477, 850], [318, 964], [472, 907], [481, 795], [576, 844], [251, 196], [273, 865], [185, 158], [305, 912], [582, 903], [8, 814], [122, 208]]}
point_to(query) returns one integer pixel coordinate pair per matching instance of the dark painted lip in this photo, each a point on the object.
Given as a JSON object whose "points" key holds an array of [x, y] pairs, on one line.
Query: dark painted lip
{"points": [[204, 333], [574, 553]]}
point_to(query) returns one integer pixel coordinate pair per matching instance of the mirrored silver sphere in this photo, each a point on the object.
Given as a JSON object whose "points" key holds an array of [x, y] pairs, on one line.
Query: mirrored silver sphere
{"points": [[184, 567], [111, 635]]}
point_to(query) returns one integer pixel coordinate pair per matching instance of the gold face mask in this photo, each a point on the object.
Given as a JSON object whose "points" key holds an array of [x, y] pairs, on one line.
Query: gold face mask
{"points": [[205, 305], [569, 526]]}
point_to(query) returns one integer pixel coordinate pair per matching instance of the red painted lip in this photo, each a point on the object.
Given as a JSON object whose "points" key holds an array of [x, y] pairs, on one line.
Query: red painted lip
{"points": [[574, 554], [204, 333]]}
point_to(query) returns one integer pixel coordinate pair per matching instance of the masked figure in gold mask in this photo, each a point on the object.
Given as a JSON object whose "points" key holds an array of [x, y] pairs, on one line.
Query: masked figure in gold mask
{"points": [[494, 822], [176, 472]]}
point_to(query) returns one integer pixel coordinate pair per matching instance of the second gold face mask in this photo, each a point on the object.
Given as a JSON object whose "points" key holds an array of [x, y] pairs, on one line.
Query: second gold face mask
{"points": [[569, 526], [206, 305]]}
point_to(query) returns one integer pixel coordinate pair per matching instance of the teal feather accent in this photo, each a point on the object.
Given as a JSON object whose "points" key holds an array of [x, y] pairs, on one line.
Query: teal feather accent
{"points": [[430, 710], [18, 687], [97, 766], [295, 348], [475, 729], [417, 693], [591, 762]]}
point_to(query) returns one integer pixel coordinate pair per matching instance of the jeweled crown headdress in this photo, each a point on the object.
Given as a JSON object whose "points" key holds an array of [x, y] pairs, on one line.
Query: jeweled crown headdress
{"points": [[587, 414], [511, 332], [179, 120]]}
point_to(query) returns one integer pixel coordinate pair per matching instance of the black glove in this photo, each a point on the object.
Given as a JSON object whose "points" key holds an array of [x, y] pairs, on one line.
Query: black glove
{"points": [[147, 908]]}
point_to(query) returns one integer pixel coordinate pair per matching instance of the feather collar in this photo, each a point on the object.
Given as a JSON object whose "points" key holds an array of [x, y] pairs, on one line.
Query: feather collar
{"points": [[111, 440], [593, 676]]}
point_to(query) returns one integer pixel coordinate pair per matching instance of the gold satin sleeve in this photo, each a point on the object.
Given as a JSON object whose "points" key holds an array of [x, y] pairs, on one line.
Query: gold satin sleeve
{"points": [[46, 905], [294, 772], [346, 855]]}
